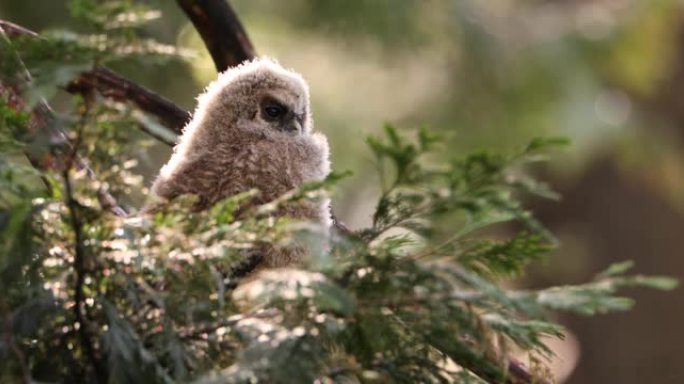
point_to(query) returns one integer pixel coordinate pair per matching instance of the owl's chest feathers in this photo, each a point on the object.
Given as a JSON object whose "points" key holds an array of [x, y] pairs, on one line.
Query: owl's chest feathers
{"points": [[271, 166]]}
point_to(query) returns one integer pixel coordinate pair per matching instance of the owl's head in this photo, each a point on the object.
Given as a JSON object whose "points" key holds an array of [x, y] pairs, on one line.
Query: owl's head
{"points": [[258, 96]]}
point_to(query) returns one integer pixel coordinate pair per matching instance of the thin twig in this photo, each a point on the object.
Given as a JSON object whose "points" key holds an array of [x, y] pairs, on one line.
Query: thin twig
{"points": [[80, 274], [14, 30], [342, 228], [79, 251]]}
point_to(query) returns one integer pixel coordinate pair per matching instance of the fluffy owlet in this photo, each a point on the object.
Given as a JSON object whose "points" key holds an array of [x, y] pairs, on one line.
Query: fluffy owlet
{"points": [[252, 129]]}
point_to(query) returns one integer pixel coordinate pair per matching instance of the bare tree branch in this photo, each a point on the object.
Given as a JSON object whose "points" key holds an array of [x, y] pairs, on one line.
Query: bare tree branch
{"points": [[14, 30], [221, 30], [112, 85]]}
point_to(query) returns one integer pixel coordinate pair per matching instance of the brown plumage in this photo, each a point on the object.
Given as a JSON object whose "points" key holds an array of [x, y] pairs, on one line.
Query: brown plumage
{"points": [[252, 129]]}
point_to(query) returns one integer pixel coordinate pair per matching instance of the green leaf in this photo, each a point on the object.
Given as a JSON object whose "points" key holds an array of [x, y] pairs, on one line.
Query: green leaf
{"points": [[507, 258], [663, 283], [526, 334], [427, 139], [544, 144], [616, 269]]}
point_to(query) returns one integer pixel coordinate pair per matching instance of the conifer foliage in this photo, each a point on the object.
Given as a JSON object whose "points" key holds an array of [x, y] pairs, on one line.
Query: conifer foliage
{"points": [[90, 294]]}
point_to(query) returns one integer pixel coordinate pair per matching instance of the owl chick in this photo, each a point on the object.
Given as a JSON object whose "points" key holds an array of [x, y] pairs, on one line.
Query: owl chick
{"points": [[252, 129]]}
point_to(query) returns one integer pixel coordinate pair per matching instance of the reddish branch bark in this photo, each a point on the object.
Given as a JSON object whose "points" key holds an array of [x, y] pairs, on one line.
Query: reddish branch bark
{"points": [[113, 86], [14, 30], [221, 31]]}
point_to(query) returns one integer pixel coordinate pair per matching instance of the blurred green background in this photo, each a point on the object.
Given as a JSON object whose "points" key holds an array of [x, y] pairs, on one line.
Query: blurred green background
{"points": [[609, 74]]}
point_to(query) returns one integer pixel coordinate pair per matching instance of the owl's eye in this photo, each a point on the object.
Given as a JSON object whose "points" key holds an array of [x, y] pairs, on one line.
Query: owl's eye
{"points": [[274, 111]]}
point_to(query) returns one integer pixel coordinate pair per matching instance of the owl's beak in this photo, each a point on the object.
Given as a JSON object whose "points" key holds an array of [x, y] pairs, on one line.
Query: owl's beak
{"points": [[293, 126], [297, 124]]}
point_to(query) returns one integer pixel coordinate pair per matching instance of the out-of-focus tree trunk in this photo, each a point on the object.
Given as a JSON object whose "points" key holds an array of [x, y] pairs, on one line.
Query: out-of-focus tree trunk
{"points": [[621, 220]]}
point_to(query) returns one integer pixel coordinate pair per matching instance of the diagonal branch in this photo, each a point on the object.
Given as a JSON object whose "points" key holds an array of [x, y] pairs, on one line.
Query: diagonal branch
{"points": [[221, 30], [113, 86], [14, 30]]}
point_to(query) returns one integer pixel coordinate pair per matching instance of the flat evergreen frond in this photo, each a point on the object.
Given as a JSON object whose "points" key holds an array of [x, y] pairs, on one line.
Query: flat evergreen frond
{"points": [[507, 258], [526, 334], [599, 296]]}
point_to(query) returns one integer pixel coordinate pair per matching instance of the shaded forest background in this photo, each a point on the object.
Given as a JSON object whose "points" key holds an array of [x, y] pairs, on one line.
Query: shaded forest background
{"points": [[607, 74]]}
